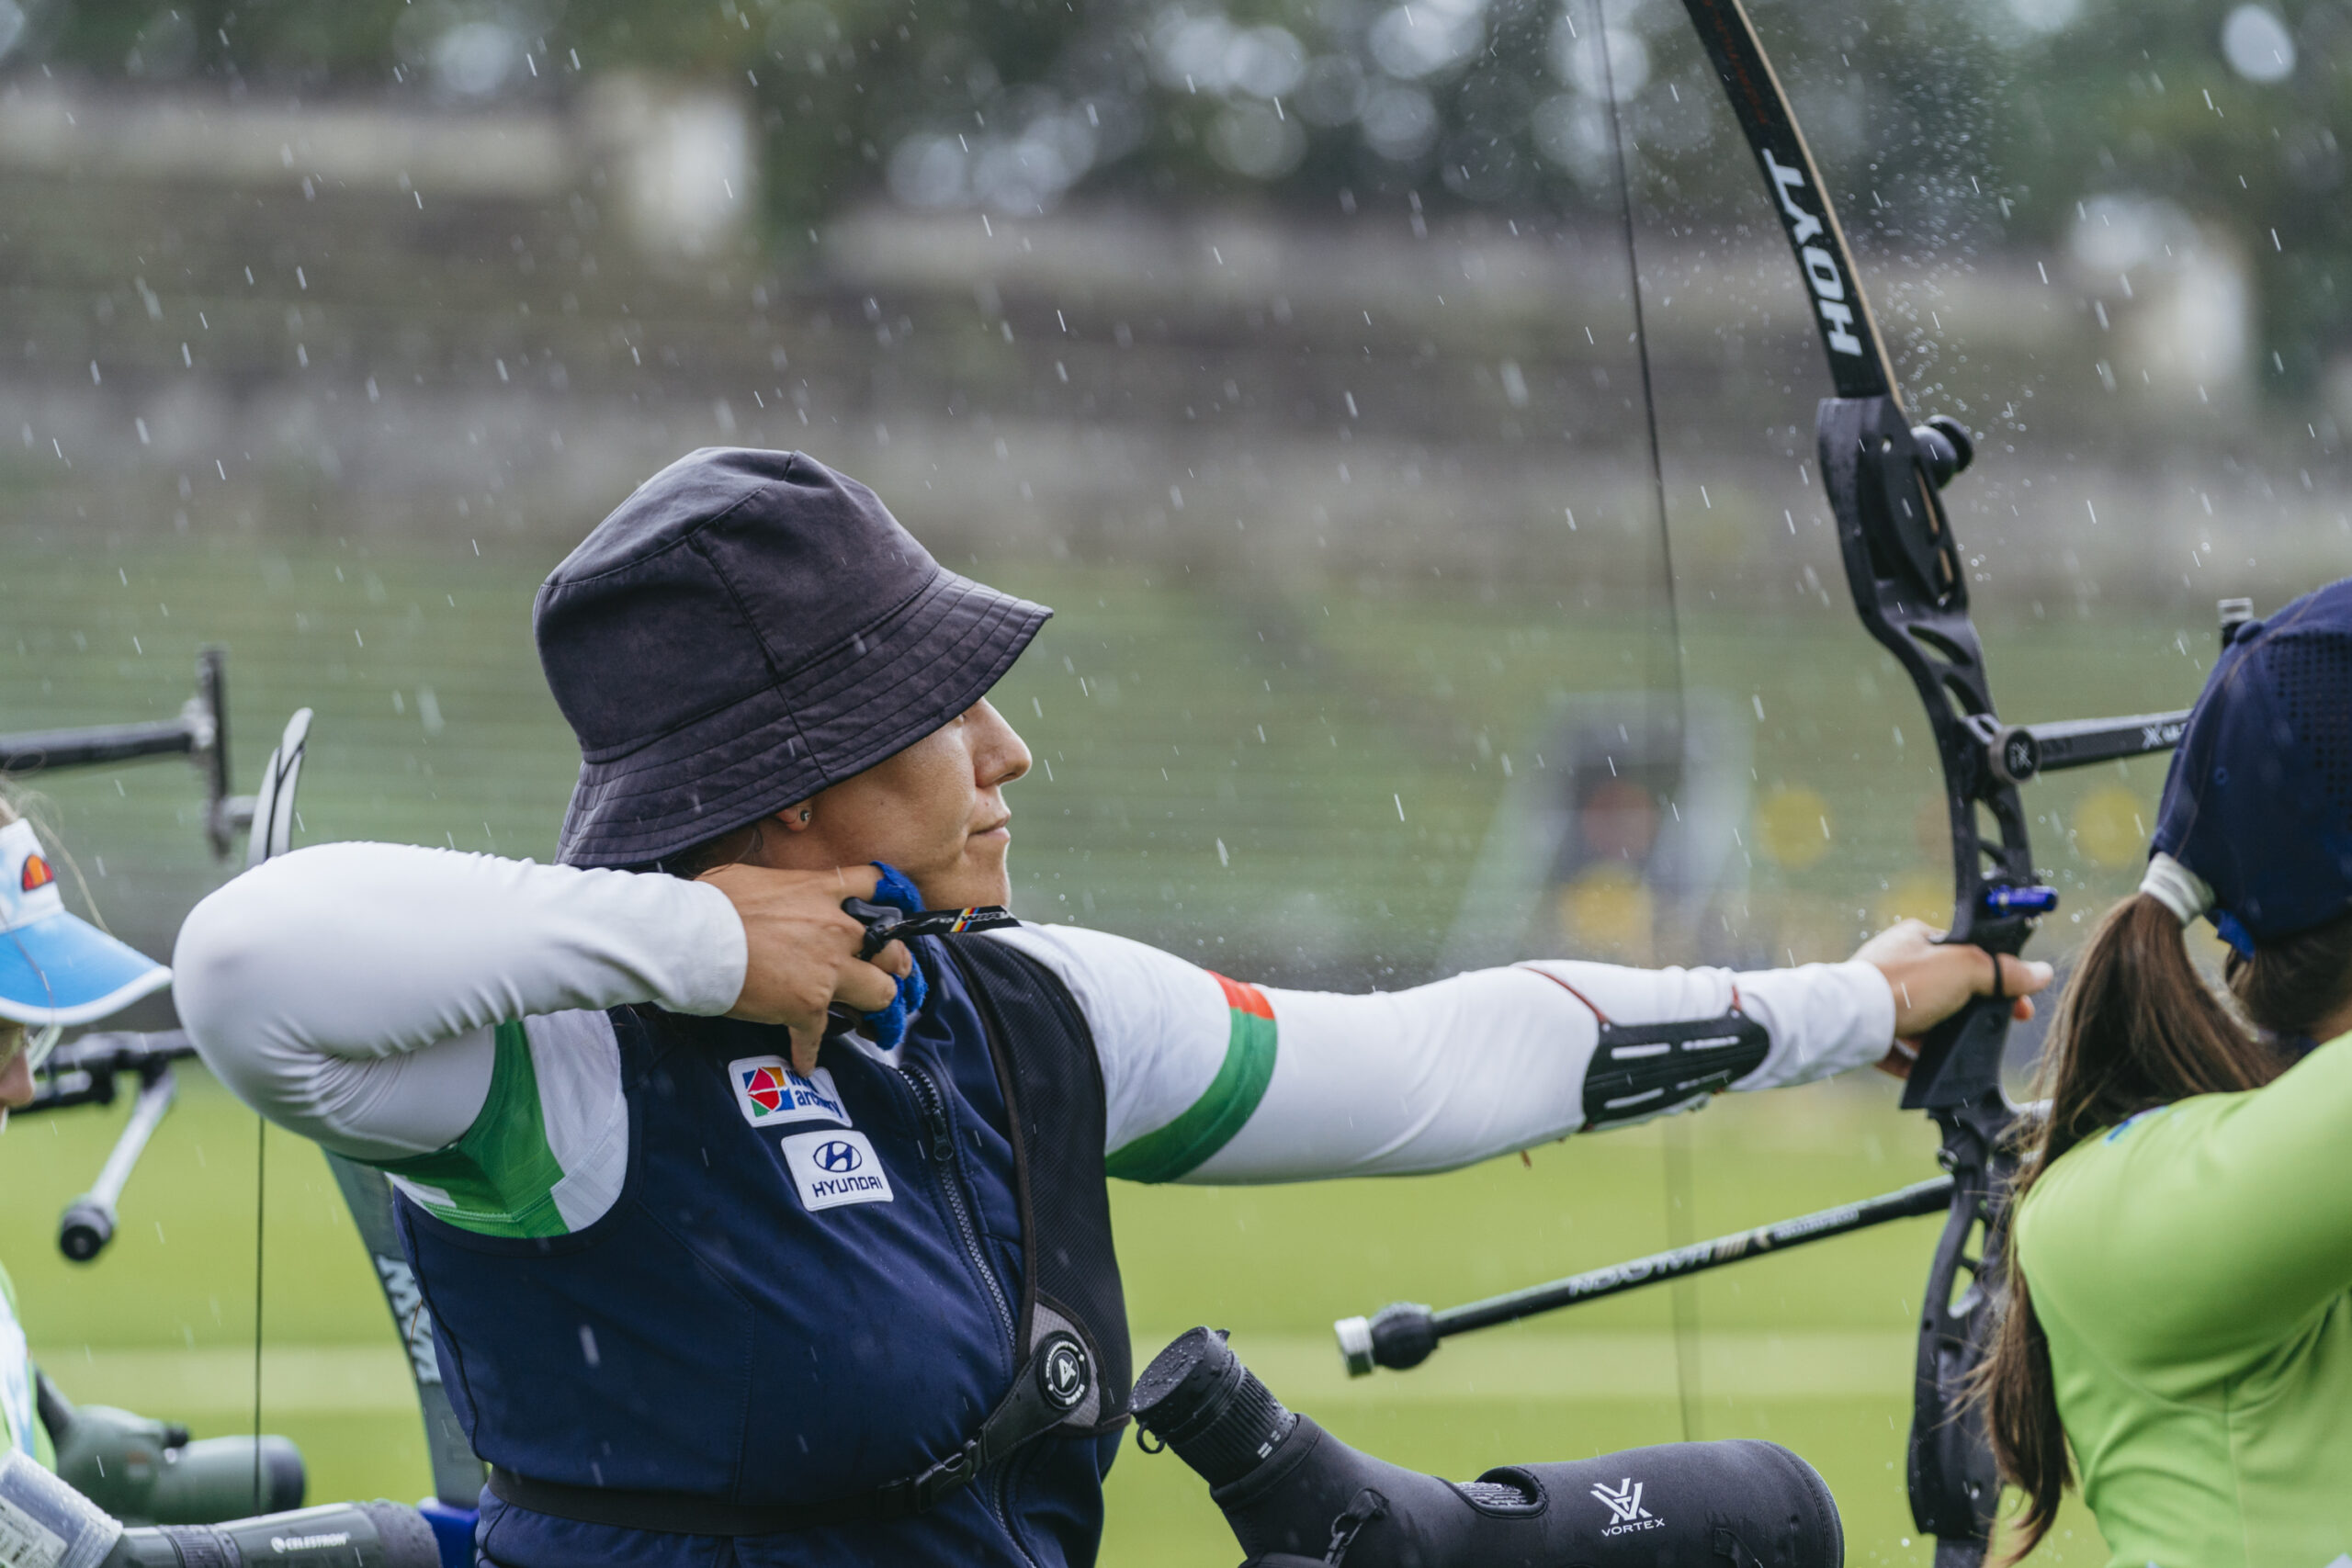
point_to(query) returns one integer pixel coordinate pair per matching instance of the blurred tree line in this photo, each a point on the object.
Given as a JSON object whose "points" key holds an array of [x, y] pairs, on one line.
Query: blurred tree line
{"points": [[2123, 129]]}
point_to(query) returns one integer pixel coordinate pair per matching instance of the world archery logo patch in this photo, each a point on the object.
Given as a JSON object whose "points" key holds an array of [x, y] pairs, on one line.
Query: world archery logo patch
{"points": [[37, 873], [770, 1093]]}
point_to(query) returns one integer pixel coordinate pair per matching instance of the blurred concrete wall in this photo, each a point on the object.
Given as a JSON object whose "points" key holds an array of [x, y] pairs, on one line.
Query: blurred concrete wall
{"points": [[344, 317]]}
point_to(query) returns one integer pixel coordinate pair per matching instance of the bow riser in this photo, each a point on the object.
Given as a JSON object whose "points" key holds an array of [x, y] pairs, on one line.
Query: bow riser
{"points": [[1953, 1483], [1904, 573], [1911, 592]]}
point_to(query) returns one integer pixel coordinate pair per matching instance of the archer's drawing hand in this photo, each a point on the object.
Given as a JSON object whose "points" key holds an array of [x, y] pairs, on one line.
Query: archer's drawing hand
{"points": [[801, 950], [1931, 982]]}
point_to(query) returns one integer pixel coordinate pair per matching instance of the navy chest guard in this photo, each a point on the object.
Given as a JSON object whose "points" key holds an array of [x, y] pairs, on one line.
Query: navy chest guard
{"points": [[716, 1377]]}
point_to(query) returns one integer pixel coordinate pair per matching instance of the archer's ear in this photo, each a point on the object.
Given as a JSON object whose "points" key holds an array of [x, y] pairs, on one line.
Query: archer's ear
{"points": [[796, 817]]}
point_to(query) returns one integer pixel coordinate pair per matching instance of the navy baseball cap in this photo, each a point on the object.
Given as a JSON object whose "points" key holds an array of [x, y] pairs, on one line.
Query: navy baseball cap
{"points": [[2258, 802]]}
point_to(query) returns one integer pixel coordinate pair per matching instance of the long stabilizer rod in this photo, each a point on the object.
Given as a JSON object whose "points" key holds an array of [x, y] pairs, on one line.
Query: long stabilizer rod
{"points": [[1402, 1336], [89, 1221]]}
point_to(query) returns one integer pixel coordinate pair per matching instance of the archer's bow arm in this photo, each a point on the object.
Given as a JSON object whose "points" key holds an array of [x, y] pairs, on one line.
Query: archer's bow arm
{"points": [[353, 993]]}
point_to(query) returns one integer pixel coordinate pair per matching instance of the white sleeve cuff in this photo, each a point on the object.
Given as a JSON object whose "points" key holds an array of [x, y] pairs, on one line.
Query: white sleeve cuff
{"points": [[1824, 1018], [711, 956]]}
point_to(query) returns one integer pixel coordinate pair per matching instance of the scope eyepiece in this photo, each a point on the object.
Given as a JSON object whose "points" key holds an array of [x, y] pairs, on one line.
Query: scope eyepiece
{"points": [[1199, 1399]]}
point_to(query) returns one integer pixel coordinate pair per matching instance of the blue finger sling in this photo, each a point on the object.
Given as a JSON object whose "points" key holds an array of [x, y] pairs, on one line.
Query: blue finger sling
{"points": [[889, 1027]]}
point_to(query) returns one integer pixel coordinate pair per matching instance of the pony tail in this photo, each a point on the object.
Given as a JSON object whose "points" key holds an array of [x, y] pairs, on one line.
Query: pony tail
{"points": [[2137, 1027], [2019, 1394]]}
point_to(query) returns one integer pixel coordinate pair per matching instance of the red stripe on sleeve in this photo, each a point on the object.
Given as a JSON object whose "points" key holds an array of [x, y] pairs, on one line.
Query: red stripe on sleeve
{"points": [[1243, 997]]}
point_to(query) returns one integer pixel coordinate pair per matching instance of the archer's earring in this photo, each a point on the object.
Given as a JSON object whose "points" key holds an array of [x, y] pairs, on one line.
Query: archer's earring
{"points": [[804, 814]]}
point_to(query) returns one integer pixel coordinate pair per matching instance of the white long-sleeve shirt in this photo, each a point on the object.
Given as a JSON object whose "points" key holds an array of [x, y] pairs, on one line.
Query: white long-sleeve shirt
{"points": [[360, 994]]}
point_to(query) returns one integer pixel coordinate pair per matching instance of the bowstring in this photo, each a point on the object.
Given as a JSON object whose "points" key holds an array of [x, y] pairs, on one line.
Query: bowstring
{"points": [[261, 1170], [1673, 1137]]}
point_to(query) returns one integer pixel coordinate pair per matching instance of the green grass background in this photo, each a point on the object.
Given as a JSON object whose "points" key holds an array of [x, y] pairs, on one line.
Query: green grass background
{"points": [[1283, 779]]}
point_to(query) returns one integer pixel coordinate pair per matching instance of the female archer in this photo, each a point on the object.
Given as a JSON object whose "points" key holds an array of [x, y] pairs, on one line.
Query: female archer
{"points": [[703, 1295], [2180, 1297]]}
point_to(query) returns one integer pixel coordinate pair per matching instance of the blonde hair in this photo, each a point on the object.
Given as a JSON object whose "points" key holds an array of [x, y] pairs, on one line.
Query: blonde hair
{"points": [[19, 804], [12, 1034]]}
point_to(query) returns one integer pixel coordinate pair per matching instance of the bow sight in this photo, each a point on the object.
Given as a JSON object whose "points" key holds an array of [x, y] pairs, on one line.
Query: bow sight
{"points": [[199, 733]]}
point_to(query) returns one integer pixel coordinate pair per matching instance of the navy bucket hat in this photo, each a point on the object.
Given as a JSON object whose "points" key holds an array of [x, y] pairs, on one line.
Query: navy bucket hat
{"points": [[2258, 803], [746, 629]]}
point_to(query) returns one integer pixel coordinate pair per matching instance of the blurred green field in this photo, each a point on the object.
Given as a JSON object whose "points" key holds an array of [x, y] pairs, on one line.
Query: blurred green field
{"points": [[1292, 783], [1810, 1348]]}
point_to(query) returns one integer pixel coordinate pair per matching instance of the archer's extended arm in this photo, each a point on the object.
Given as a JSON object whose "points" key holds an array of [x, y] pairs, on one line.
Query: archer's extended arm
{"points": [[1212, 1080], [353, 993]]}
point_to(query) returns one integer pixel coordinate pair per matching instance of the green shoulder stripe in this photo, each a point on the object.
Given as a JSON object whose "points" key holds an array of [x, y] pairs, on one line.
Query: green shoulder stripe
{"points": [[1210, 1122], [500, 1178]]}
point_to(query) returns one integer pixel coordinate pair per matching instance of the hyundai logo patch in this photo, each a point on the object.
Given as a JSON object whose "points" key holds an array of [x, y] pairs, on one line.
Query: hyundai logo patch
{"points": [[834, 1167]]}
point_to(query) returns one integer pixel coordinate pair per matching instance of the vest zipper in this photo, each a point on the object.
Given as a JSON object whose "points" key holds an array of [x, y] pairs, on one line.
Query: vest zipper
{"points": [[941, 1136], [1001, 1501], [939, 1133]]}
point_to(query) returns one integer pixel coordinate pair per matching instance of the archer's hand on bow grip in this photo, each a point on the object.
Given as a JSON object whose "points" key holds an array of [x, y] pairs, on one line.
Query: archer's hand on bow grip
{"points": [[1936, 982], [1959, 1060]]}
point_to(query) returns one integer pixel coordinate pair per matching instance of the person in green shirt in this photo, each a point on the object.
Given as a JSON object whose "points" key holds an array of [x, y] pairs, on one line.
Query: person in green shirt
{"points": [[2178, 1327]]}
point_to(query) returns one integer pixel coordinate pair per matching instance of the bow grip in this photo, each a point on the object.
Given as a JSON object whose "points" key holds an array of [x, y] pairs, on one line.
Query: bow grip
{"points": [[1959, 1059]]}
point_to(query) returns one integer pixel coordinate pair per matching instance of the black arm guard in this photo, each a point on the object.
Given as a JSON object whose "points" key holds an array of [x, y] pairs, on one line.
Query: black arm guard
{"points": [[1640, 1069]]}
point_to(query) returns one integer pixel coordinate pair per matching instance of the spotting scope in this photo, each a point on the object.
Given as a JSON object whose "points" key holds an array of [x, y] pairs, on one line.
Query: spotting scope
{"points": [[1296, 1496], [64, 1529]]}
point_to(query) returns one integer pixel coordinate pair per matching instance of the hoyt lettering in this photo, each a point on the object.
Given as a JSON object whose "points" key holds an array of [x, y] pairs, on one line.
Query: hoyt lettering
{"points": [[1820, 266]]}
